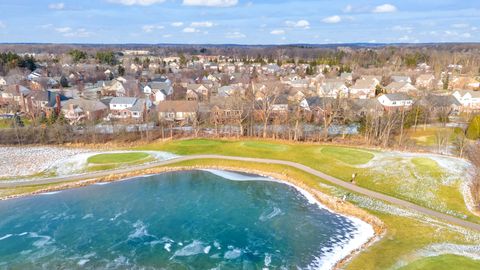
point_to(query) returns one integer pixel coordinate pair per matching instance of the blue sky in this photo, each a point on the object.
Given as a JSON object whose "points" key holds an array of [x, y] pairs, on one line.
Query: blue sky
{"points": [[239, 21]]}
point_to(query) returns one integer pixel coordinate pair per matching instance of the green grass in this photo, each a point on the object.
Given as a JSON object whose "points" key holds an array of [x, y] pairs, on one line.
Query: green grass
{"points": [[418, 180], [116, 158], [444, 262], [102, 162], [348, 155], [427, 136]]}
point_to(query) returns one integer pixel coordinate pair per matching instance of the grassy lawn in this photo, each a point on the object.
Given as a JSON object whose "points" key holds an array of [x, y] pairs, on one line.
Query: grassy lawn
{"points": [[427, 136], [348, 155], [419, 179], [117, 158], [444, 262], [102, 162]]}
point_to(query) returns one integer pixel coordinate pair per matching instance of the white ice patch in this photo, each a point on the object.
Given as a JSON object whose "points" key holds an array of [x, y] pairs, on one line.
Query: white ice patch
{"points": [[140, 230], [87, 216], [43, 239], [267, 260], [269, 215], [168, 247], [6, 236], [194, 248], [82, 262], [50, 193], [234, 176], [232, 254]]}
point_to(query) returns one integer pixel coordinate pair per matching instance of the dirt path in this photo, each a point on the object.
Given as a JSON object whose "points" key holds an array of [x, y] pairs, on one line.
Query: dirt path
{"points": [[336, 181]]}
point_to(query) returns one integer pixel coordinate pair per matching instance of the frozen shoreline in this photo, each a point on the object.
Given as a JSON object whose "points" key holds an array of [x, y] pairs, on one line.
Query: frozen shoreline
{"points": [[340, 252]]}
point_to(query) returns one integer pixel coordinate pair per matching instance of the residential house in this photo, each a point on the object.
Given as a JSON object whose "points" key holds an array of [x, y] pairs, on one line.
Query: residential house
{"points": [[80, 109], [14, 95], [469, 99], [271, 69], [127, 108], [401, 79], [222, 112], [229, 90], [114, 88], [198, 90], [3, 82], [425, 81], [395, 101], [347, 77], [464, 82], [158, 91], [178, 110], [364, 88], [333, 88], [321, 107], [400, 87], [359, 108], [441, 105]]}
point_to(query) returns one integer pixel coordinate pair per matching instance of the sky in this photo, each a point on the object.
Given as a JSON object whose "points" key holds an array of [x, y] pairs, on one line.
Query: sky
{"points": [[239, 21]]}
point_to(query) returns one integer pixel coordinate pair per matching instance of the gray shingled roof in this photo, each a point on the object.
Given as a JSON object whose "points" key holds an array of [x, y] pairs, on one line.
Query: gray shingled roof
{"points": [[123, 100]]}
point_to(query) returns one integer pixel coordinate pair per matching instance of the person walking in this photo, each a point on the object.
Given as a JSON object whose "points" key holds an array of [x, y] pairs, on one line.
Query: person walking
{"points": [[354, 176]]}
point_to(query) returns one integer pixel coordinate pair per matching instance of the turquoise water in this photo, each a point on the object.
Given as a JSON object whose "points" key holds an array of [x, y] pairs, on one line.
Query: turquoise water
{"points": [[181, 220]]}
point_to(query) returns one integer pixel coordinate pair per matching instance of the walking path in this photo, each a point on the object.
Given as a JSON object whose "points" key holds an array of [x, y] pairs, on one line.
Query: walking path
{"points": [[336, 181]]}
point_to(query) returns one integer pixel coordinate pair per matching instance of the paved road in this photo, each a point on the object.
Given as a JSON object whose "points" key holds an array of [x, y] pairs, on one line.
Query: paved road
{"points": [[336, 181]]}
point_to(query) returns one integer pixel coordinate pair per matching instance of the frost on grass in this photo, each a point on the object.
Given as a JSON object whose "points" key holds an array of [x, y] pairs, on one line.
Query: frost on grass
{"points": [[25, 161], [423, 178], [434, 250], [40, 161], [379, 206]]}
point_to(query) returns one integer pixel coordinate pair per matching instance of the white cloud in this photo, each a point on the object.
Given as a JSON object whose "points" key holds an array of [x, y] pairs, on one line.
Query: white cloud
{"points": [[210, 3], [190, 30], [402, 28], [278, 32], [167, 36], [385, 8], [136, 2], [201, 24], [348, 9], [404, 38], [46, 26], [2, 25], [70, 32], [57, 6], [298, 24], [235, 35], [460, 25], [63, 29], [332, 19], [81, 32], [149, 28], [177, 24], [466, 35]]}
